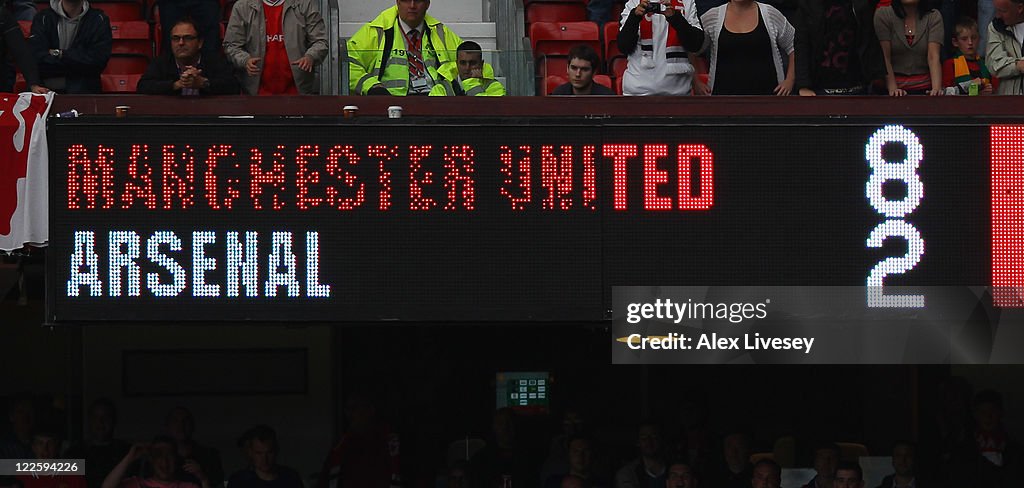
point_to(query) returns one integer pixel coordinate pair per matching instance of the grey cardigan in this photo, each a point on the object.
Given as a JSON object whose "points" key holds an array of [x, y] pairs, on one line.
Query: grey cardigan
{"points": [[305, 34], [780, 31]]}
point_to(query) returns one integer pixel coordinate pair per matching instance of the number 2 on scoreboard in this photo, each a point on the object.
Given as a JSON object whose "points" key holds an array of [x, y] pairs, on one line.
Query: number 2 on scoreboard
{"points": [[894, 212]]}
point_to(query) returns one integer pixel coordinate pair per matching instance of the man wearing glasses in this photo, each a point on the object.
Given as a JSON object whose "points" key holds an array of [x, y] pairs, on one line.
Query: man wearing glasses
{"points": [[184, 70]]}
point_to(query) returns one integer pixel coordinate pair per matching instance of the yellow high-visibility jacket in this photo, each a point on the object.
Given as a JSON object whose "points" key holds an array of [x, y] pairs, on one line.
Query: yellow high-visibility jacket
{"points": [[368, 65]]}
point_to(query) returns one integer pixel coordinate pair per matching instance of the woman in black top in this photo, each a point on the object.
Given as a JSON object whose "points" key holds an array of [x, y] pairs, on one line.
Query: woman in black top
{"points": [[745, 39]]}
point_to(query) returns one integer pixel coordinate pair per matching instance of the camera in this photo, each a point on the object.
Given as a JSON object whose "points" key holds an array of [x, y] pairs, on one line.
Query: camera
{"points": [[654, 7]]}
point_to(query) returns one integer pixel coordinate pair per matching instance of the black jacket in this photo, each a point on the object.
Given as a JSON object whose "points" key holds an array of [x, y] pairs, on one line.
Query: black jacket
{"points": [[80, 64], [162, 72], [14, 41], [810, 41]]}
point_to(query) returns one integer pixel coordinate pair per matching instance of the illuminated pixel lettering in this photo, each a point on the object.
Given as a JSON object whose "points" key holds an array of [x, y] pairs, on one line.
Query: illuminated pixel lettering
{"points": [[178, 186], [91, 178], [140, 182], [517, 176], [418, 178], [304, 177], [458, 178], [85, 266], [384, 154], [347, 178], [201, 264], [274, 178], [906, 172], [620, 154], [153, 252], [688, 153], [1007, 176], [556, 177], [246, 260], [313, 286], [213, 158], [654, 177], [119, 260], [281, 256]]}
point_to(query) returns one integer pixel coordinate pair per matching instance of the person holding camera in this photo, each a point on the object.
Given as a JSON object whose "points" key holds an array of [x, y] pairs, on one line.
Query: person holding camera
{"points": [[659, 37]]}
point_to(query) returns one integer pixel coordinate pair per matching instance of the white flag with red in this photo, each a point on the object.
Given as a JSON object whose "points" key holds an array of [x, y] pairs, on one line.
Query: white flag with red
{"points": [[24, 217]]}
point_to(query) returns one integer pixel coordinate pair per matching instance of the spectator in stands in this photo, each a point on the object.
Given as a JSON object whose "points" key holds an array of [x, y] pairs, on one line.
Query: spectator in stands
{"points": [[361, 457], [71, 43], [766, 474], [745, 39], [205, 16], [1003, 52], [904, 463], [469, 76], [681, 475], [100, 450], [185, 70], [21, 414], [910, 33], [986, 12], [458, 475], [658, 38], [736, 468], [504, 456], [161, 456], [23, 9], [260, 447], [557, 461], [276, 43], [649, 469], [400, 52], [848, 475], [180, 427], [581, 465], [582, 66], [46, 444], [837, 52], [989, 458], [826, 458], [966, 68]]}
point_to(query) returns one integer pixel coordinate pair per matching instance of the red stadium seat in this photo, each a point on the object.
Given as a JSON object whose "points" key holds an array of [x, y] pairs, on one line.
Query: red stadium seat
{"points": [[126, 64], [553, 81], [555, 12], [121, 11], [131, 37], [552, 66], [548, 38], [19, 84], [611, 33], [604, 80], [119, 83], [26, 27]]}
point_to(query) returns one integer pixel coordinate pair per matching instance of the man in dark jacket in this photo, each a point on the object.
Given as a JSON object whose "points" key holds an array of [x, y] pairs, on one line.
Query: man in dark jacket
{"points": [[14, 41], [837, 52], [71, 42], [186, 70]]}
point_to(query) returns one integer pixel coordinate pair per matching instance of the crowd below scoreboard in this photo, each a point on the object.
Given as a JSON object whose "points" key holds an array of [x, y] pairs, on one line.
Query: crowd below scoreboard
{"points": [[964, 445], [656, 47]]}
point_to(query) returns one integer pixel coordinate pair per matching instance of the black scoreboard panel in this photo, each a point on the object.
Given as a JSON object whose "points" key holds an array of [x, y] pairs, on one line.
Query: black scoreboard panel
{"points": [[507, 221]]}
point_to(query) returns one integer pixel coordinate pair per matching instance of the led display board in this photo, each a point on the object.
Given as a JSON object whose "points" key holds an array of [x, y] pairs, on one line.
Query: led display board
{"points": [[517, 220]]}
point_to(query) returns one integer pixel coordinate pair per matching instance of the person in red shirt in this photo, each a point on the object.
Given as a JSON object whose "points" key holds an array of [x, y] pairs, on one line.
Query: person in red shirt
{"points": [[46, 445], [276, 44]]}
